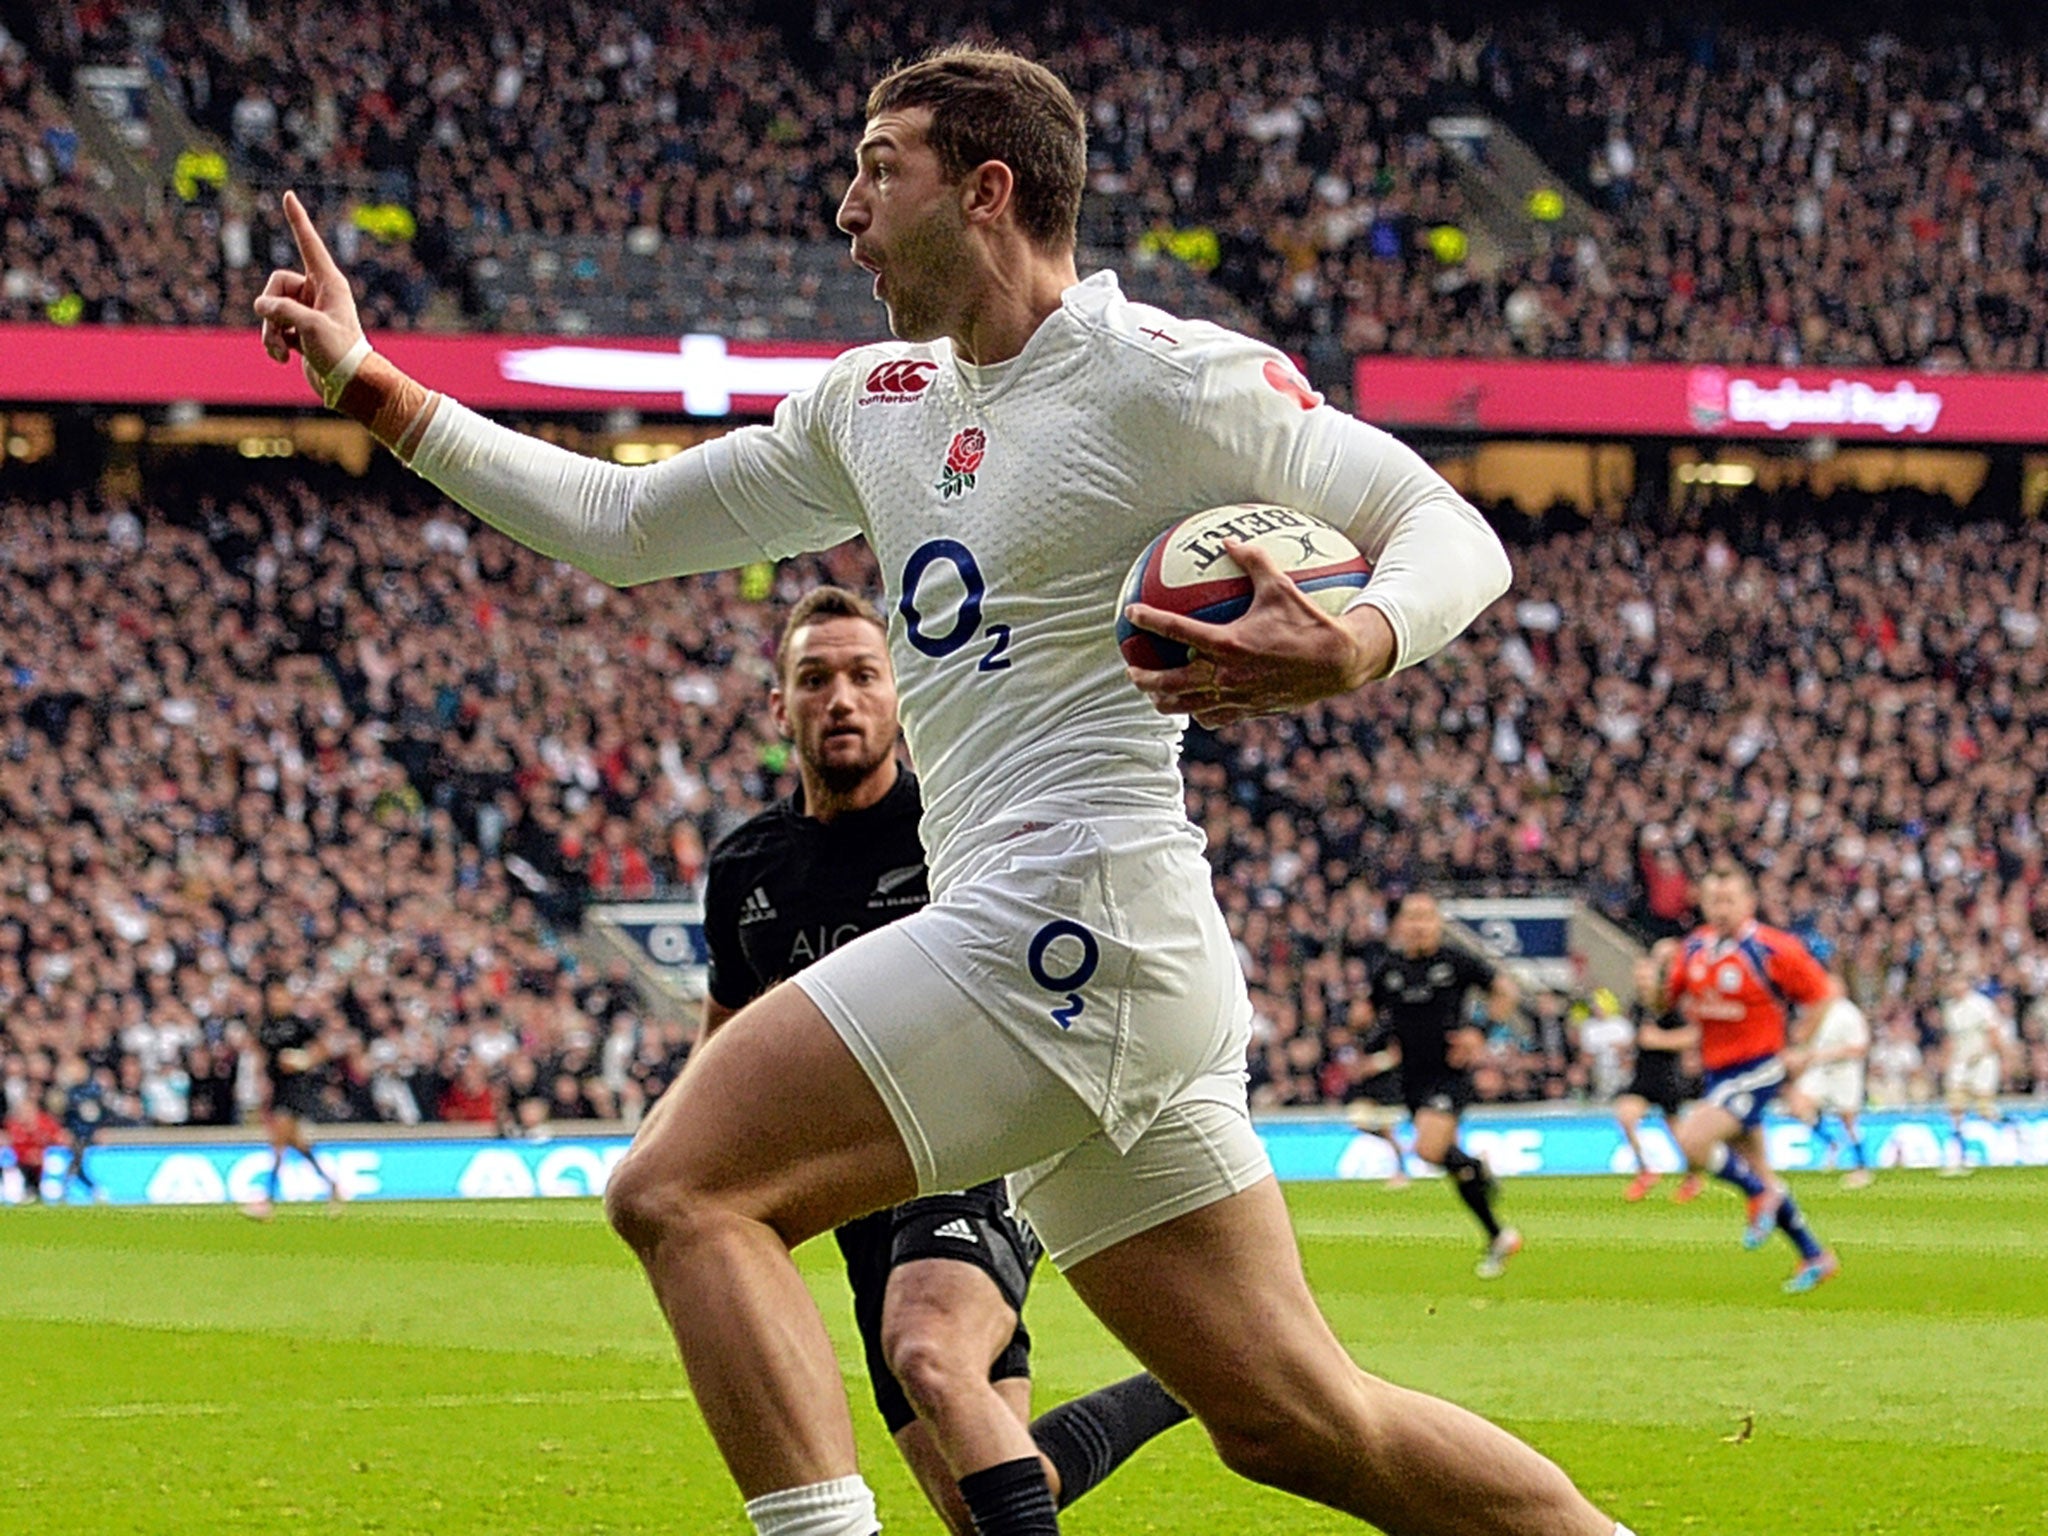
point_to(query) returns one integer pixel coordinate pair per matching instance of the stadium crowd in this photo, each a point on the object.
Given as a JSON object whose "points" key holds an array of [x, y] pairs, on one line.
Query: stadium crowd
{"points": [[1867, 203], [311, 744]]}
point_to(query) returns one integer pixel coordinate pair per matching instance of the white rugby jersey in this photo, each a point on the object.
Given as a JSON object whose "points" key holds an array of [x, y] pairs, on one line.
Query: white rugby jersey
{"points": [[1005, 505], [1973, 1027], [1842, 1027]]}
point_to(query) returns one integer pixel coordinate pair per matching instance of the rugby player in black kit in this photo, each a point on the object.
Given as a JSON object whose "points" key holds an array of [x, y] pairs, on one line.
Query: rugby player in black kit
{"points": [[938, 1283], [1419, 987], [292, 1057]]}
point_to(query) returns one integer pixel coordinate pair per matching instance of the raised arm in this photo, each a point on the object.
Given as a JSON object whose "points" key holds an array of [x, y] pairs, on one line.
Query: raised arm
{"points": [[754, 494]]}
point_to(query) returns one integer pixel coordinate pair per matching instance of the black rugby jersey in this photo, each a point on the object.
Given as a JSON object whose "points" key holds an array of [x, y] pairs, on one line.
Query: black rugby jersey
{"points": [[1651, 1058], [785, 888], [1421, 999], [279, 1034]]}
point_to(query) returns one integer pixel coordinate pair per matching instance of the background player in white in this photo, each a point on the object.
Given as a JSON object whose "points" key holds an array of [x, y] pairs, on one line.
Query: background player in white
{"points": [[1069, 1003], [1829, 1067], [1975, 1047]]}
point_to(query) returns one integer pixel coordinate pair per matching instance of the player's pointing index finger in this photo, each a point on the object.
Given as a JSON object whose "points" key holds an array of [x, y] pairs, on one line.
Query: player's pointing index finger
{"points": [[312, 249]]}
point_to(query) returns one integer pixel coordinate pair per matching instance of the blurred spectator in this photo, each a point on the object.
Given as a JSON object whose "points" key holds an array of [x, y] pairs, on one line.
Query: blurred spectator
{"points": [[1760, 195]]}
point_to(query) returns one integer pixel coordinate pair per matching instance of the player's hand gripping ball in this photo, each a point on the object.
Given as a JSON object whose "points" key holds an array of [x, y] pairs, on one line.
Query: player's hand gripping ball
{"points": [[1185, 571]]}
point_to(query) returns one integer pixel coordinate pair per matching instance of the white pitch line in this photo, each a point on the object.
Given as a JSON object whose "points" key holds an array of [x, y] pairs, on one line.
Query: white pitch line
{"points": [[197, 1410]]}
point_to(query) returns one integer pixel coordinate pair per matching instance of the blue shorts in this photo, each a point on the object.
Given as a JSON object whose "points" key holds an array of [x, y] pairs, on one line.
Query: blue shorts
{"points": [[1746, 1089]]}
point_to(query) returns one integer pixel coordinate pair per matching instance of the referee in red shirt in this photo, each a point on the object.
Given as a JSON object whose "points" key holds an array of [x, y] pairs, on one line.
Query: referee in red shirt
{"points": [[1737, 982]]}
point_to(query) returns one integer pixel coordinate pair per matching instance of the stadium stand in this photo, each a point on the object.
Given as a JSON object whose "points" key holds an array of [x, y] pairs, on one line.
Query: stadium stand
{"points": [[311, 742], [1871, 204], [301, 740]]}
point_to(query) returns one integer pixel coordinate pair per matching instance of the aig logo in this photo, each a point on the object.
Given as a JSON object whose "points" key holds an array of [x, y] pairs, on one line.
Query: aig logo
{"points": [[899, 382]]}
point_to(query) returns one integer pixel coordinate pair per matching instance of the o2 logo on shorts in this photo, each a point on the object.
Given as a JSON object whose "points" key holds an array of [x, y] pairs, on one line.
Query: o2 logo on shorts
{"points": [[1077, 968], [966, 618]]}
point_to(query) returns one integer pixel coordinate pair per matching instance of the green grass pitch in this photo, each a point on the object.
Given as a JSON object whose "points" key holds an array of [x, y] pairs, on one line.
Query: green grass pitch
{"points": [[501, 1368]]}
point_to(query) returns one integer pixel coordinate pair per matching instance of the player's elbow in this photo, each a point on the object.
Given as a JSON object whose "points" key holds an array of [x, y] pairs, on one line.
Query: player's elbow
{"points": [[1493, 572]]}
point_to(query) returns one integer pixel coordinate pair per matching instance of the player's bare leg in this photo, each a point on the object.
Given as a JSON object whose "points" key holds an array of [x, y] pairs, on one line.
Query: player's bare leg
{"points": [[943, 1325], [1628, 1113], [1436, 1141], [921, 1453], [771, 1136], [1216, 1306], [1860, 1176]]}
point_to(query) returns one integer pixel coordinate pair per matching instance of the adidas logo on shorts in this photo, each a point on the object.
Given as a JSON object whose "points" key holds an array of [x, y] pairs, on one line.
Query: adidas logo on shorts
{"points": [[958, 1229]]}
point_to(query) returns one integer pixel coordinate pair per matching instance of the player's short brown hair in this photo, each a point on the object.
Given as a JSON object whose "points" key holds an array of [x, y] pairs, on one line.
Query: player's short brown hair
{"points": [[991, 104], [822, 603]]}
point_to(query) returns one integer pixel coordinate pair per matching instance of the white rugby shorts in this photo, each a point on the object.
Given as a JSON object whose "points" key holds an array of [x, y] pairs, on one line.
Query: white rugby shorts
{"points": [[1973, 1080], [1069, 1010], [1835, 1085]]}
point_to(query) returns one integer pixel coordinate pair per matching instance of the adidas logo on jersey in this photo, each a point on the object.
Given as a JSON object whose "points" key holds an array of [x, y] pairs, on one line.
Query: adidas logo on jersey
{"points": [[757, 908], [958, 1230]]}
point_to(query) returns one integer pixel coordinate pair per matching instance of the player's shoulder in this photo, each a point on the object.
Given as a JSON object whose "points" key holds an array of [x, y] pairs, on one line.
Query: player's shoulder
{"points": [[1173, 353], [1474, 962], [766, 832], [1176, 342], [1781, 942]]}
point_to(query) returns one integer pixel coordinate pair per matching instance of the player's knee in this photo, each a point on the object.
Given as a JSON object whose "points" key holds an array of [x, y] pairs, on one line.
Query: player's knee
{"points": [[1299, 1437], [1697, 1146], [647, 1208], [933, 1369]]}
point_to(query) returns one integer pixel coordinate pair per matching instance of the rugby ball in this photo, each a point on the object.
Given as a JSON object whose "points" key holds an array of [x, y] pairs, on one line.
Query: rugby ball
{"points": [[1185, 571]]}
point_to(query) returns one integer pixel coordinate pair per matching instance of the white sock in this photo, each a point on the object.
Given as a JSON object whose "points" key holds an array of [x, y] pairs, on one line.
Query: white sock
{"points": [[1622, 1530], [843, 1507]]}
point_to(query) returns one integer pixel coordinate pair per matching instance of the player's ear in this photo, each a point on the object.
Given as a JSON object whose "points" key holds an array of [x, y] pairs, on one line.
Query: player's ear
{"points": [[778, 711], [986, 191]]}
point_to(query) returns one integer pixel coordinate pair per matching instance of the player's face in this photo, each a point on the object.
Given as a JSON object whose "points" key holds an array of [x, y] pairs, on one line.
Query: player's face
{"points": [[837, 702], [1726, 904], [908, 227], [1418, 927]]}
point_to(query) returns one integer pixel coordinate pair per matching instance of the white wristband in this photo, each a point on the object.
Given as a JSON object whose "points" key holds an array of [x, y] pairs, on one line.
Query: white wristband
{"points": [[336, 379]]}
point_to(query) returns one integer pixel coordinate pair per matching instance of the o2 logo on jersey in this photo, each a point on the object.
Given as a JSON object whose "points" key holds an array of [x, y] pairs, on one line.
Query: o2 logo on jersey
{"points": [[898, 382], [1062, 956], [919, 627]]}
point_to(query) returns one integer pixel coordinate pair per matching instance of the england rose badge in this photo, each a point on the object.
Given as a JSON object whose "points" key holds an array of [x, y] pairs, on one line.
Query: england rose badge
{"points": [[963, 458]]}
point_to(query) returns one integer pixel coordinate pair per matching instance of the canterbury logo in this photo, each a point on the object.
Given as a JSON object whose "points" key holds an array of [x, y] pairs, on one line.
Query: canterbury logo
{"points": [[894, 383]]}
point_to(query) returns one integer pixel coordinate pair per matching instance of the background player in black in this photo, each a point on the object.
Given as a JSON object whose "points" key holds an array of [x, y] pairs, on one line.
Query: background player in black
{"points": [[292, 1057], [1419, 988], [939, 1283], [84, 1112], [1660, 1077]]}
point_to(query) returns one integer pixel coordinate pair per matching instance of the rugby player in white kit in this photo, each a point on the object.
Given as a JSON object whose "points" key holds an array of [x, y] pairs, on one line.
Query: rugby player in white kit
{"points": [[1975, 1046], [1068, 1004], [1831, 1067]]}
